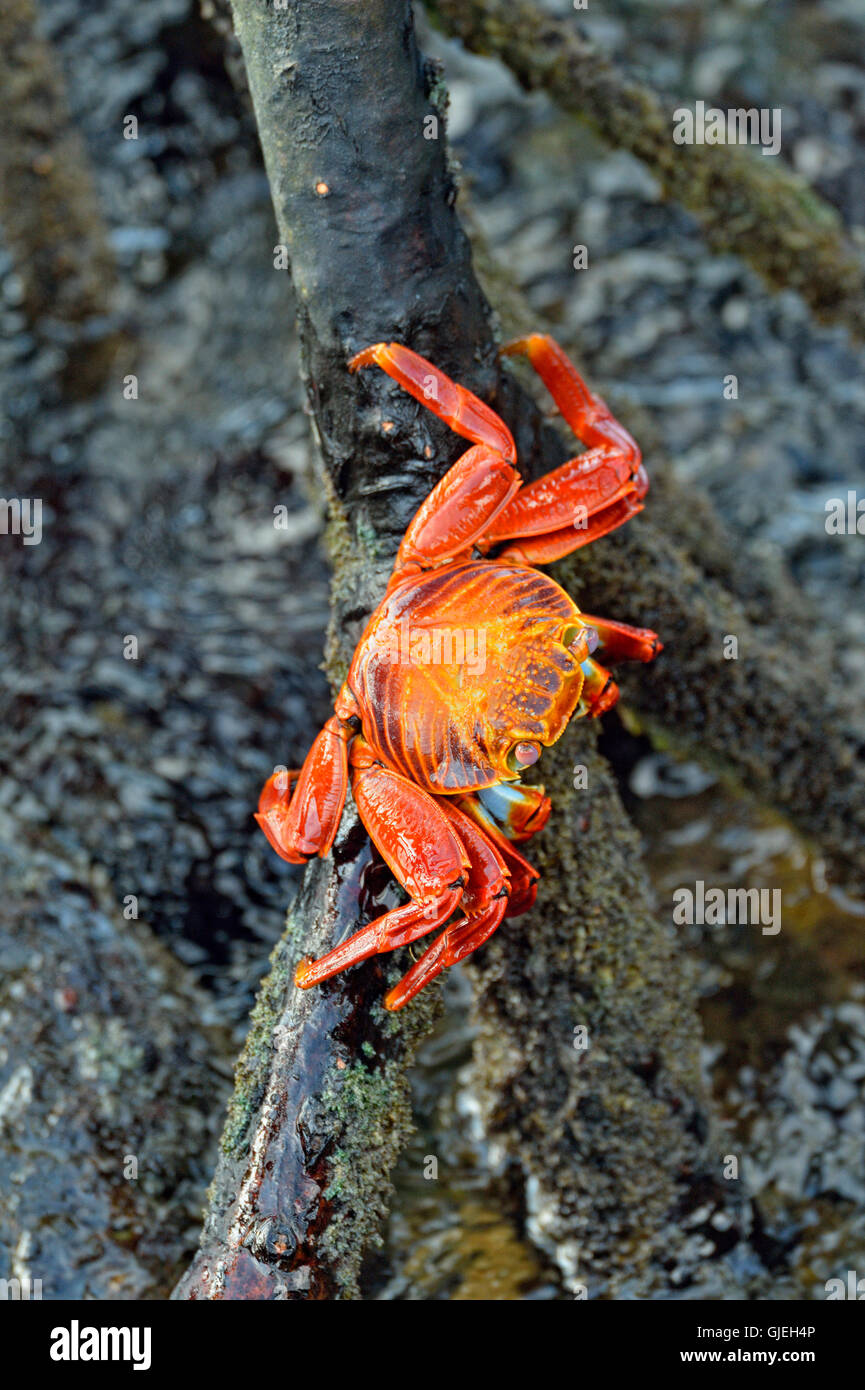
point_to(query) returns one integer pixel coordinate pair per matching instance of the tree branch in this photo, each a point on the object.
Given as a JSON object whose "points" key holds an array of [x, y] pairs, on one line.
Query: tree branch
{"points": [[754, 207]]}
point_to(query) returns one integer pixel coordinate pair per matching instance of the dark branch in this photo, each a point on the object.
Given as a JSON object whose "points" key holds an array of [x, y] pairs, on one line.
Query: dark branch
{"points": [[754, 207]]}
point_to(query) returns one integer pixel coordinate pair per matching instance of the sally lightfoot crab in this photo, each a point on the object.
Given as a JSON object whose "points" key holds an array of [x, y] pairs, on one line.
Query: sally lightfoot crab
{"points": [[434, 744]]}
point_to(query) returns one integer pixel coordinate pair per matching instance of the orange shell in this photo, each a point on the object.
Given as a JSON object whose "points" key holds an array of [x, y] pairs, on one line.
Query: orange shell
{"points": [[460, 663]]}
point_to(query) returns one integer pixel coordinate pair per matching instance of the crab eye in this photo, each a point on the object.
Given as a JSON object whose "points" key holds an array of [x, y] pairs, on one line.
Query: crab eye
{"points": [[525, 754], [580, 641]]}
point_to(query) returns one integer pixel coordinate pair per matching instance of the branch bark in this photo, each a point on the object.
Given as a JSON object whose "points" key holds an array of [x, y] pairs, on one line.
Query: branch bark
{"points": [[754, 207]]}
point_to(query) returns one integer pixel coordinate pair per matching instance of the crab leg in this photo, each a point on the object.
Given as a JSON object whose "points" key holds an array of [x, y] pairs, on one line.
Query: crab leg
{"points": [[459, 509], [570, 495], [524, 877], [459, 408], [400, 927], [488, 872], [456, 942], [306, 823], [544, 549], [621, 642], [484, 902], [423, 852], [588, 416], [586, 497]]}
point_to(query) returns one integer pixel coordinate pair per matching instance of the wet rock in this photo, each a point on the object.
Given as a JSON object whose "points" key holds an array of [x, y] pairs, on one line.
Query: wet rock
{"points": [[108, 1099]]}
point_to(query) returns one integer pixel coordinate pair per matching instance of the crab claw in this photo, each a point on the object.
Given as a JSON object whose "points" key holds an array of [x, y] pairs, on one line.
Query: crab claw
{"points": [[272, 810], [517, 810], [622, 642], [306, 823], [600, 692]]}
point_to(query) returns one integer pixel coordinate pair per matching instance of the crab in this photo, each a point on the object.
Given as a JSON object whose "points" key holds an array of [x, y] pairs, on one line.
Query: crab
{"points": [[433, 739]]}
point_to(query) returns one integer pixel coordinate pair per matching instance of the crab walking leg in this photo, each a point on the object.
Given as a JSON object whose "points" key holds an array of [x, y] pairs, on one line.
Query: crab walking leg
{"points": [[621, 642], [423, 852], [524, 877], [587, 496], [544, 549], [489, 874], [484, 902], [400, 927], [580, 489], [456, 942], [466, 414], [306, 823], [459, 509], [588, 416]]}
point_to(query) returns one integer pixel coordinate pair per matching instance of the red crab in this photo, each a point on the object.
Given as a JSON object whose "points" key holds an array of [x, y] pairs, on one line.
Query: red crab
{"points": [[434, 741]]}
